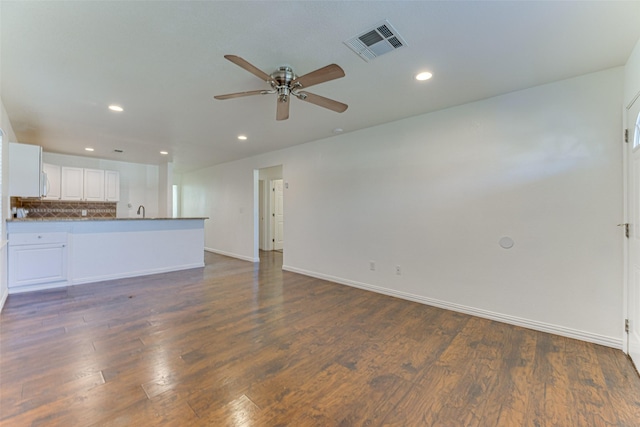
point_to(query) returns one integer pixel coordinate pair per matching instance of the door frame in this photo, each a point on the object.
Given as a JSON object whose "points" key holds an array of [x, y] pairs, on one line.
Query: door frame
{"points": [[263, 186], [272, 212], [261, 215], [626, 167]]}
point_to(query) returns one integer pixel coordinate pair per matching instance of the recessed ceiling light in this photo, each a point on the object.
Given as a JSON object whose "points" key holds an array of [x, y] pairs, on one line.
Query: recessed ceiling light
{"points": [[242, 137], [88, 149], [425, 75], [117, 108], [164, 153]]}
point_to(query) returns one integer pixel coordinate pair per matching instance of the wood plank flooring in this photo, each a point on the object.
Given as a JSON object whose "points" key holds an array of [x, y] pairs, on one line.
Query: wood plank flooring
{"points": [[238, 344]]}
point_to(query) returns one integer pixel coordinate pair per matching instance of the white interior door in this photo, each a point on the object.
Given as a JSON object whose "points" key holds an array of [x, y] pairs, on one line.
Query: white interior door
{"points": [[633, 291], [278, 214]]}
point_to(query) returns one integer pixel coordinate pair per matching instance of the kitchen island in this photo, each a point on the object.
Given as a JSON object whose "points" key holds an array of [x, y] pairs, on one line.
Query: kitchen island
{"points": [[47, 253]]}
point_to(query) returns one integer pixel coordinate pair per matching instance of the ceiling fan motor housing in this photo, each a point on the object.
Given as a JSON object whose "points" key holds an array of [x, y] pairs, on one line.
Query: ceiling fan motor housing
{"points": [[283, 75], [282, 79]]}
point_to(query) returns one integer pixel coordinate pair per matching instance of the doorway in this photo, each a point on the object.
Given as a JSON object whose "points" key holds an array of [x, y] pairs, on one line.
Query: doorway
{"points": [[270, 209]]}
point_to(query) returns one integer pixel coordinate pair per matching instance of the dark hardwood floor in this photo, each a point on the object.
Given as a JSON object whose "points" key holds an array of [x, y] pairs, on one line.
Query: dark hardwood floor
{"points": [[237, 344]]}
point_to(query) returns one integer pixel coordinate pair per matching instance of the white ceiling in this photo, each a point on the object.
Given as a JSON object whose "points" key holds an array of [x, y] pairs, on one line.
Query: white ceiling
{"points": [[64, 62]]}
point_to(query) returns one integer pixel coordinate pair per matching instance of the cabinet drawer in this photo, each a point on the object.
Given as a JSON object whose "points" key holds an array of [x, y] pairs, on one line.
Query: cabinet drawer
{"points": [[16, 239]]}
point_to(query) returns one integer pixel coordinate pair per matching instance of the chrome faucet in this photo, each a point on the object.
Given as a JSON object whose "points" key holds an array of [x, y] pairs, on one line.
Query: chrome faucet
{"points": [[141, 207]]}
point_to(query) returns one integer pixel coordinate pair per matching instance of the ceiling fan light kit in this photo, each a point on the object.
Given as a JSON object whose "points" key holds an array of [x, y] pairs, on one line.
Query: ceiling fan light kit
{"points": [[285, 83]]}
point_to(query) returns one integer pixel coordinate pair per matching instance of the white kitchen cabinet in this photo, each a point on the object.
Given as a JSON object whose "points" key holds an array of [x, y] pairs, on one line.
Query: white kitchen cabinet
{"points": [[93, 185], [52, 181], [25, 170], [37, 258], [112, 186], [72, 183], [90, 185]]}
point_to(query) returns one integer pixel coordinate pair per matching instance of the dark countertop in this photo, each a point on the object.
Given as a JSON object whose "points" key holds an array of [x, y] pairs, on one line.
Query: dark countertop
{"points": [[97, 219]]}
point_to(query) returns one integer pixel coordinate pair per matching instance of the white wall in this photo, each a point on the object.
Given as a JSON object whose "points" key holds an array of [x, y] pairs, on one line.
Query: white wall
{"points": [[223, 194], [139, 183], [435, 193], [8, 135]]}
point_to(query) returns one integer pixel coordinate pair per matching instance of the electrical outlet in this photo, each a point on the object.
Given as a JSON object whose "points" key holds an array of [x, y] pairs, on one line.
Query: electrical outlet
{"points": [[372, 265], [398, 270]]}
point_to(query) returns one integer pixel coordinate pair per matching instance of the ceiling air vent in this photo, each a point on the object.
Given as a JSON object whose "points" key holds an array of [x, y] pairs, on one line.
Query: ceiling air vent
{"points": [[376, 41]]}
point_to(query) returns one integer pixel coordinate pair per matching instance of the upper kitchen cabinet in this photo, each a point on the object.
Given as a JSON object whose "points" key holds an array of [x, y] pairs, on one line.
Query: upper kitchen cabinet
{"points": [[72, 183], [94, 185], [89, 185], [52, 181], [112, 186], [25, 170]]}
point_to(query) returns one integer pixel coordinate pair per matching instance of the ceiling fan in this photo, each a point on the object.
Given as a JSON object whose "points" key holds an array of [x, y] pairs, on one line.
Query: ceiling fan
{"points": [[284, 82]]}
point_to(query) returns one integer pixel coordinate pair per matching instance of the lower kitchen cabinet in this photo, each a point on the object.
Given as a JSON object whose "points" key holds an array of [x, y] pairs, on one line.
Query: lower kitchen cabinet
{"points": [[36, 258]]}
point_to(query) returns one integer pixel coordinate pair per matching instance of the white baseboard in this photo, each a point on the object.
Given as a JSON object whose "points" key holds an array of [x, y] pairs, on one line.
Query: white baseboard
{"points": [[616, 343], [102, 278], [38, 287], [232, 255], [147, 272]]}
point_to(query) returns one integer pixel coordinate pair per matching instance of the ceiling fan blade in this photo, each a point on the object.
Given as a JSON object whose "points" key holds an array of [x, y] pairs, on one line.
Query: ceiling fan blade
{"points": [[283, 109], [239, 94], [324, 74], [249, 67], [321, 101]]}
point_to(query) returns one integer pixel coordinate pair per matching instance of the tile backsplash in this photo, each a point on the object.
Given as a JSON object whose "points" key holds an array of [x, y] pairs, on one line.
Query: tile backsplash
{"points": [[64, 209]]}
